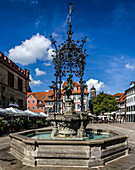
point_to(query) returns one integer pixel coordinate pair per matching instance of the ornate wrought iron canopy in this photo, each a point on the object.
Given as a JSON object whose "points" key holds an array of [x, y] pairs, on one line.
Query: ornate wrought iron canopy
{"points": [[69, 58]]}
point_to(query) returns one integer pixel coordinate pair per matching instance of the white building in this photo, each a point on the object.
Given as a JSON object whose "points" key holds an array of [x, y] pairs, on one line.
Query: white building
{"points": [[130, 102]]}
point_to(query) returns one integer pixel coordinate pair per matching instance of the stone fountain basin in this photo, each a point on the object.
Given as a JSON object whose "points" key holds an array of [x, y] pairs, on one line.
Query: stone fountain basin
{"points": [[67, 153]]}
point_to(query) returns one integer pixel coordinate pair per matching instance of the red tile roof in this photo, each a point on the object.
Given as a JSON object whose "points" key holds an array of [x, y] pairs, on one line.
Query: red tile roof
{"points": [[117, 94], [122, 98], [78, 85], [39, 95]]}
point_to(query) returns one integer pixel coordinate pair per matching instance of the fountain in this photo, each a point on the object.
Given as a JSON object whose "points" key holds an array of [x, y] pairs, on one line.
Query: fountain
{"points": [[69, 143], [70, 125]]}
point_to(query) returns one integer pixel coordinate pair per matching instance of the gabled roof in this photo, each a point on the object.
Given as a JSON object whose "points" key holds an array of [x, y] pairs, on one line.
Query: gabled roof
{"points": [[28, 94], [39, 95], [122, 98], [78, 85]]}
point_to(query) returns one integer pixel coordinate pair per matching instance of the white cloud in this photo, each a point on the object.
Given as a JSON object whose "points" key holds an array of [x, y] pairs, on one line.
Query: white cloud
{"points": [[39, 72], [37, 47], [54, 35], [47, 64], [18, 0], [37, 22], [97, 85], [49, 54], [34, 2], [30, 1], [128, 66], [34, 82]]}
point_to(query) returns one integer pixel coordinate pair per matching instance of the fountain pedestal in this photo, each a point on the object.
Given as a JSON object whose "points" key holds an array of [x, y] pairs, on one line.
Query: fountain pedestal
{"points": [[69, 107], [70, 124]]}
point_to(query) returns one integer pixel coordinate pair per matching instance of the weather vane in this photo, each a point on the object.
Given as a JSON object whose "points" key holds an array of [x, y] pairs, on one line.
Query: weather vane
{"points": [[70, 12]]}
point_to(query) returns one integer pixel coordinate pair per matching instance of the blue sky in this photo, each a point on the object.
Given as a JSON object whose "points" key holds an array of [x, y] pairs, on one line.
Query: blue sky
{"points": [[109, 25]]}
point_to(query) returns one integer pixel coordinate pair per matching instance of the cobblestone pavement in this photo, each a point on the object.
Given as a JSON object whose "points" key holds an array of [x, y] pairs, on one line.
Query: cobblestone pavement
{"points": [[9, 162]]}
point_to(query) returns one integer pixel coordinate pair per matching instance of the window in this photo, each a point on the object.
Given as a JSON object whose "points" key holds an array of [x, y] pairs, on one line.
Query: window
{"points": [[3, 92], [28, 101], [85, 97], [41, 108], [20, 103], [33, 108], [37, 107], [79, 97], [10, 80], [30, 96], [74, 97], [43, 97], [40, 102], [28, 108], [49, 97], [33, 101], [20, 84]]}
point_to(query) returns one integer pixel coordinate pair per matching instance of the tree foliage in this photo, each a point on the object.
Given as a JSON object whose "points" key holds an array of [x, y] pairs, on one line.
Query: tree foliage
{"points": [[104, 103]]}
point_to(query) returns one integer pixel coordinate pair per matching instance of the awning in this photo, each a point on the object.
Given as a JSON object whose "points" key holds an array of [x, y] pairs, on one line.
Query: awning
{"points": [[32, 113], [17, 112], [4, 112], [44, 114]]}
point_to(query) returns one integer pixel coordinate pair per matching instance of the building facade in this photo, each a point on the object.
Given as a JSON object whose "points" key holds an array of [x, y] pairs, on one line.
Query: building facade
{"points": [[44, 101], [14, 84], [130, 102], [40, 101], [76, 96], [121, 113], [126, 103]]}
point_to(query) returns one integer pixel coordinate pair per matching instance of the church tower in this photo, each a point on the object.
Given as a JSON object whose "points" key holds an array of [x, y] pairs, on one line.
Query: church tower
{"points": [[92, 92]]}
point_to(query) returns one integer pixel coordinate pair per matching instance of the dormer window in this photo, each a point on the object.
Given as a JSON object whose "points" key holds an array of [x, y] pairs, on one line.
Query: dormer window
{"points": [[75, 89], [40, 102], [43, 97]]}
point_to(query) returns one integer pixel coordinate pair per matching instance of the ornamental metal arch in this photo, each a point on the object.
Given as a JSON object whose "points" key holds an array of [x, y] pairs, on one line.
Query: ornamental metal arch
{"points": [[69, 58]]}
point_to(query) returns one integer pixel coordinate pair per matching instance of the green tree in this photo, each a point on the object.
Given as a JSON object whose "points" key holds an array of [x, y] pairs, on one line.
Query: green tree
{"points": [[104, 103]]}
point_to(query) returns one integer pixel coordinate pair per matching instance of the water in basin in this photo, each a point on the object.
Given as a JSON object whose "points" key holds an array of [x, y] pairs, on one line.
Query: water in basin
{"points": [[90, 135]]}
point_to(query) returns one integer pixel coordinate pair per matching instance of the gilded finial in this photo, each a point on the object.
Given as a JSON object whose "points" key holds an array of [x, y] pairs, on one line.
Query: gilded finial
{"points": [[70, 12]]}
